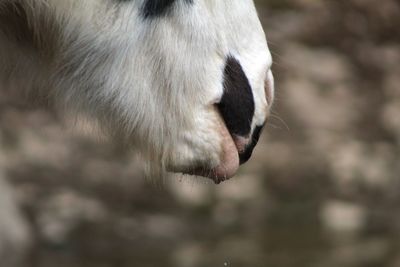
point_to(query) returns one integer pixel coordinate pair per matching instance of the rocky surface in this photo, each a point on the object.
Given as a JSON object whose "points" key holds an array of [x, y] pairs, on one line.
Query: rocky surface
{"points": [[14, 231]]}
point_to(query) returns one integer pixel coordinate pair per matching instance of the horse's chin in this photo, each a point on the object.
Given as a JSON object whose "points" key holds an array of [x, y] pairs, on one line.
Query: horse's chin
{"points": [[228, 163]]}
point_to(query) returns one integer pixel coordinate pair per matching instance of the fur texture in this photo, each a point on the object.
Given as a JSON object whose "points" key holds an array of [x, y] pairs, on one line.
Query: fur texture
{"points": [[149, 82]]}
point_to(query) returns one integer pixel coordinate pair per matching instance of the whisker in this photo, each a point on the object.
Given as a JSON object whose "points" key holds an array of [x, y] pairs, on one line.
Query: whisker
{"points": [[281, 120], [274, 126]]}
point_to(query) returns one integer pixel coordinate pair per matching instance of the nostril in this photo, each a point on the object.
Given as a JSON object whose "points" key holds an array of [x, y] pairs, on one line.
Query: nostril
{"points": [[269, 87], [246, 154], [237, 108], [241, 142], [268, 93]]}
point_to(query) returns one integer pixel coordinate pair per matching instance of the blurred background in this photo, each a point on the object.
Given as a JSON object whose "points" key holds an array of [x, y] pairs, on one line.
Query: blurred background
{"points": [[322, 189]]}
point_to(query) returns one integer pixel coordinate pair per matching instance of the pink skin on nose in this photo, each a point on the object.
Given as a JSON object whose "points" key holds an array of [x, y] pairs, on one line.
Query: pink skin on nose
{"points": [[229, 158], [241, 142]]}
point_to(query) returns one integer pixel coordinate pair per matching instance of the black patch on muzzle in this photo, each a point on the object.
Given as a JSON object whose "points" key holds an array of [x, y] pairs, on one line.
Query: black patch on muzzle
{"points": [[246, 155], [237, 103], [158, 8]]}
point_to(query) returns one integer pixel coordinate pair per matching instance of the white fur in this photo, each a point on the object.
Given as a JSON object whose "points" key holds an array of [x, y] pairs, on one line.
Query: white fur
{"points": [[150, 83]]}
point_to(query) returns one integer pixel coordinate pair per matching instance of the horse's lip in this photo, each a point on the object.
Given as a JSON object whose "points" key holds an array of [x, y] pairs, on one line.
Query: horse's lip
{"points": [[224, 171], [229, 158]]}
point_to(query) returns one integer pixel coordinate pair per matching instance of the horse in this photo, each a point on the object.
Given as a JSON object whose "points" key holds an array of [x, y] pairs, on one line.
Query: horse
{"points": [[186, 83]]}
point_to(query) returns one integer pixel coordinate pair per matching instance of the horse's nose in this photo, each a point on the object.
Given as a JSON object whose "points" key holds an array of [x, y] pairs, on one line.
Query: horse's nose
{"points": [[245, 155], [237, 109]]}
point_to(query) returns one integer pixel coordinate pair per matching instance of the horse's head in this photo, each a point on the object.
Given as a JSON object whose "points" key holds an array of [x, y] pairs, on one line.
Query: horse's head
{"points": [[187, 82]]}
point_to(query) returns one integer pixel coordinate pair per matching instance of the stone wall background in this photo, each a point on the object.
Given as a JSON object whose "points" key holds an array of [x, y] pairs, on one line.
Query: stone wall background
{"points": [[323, 188]]}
